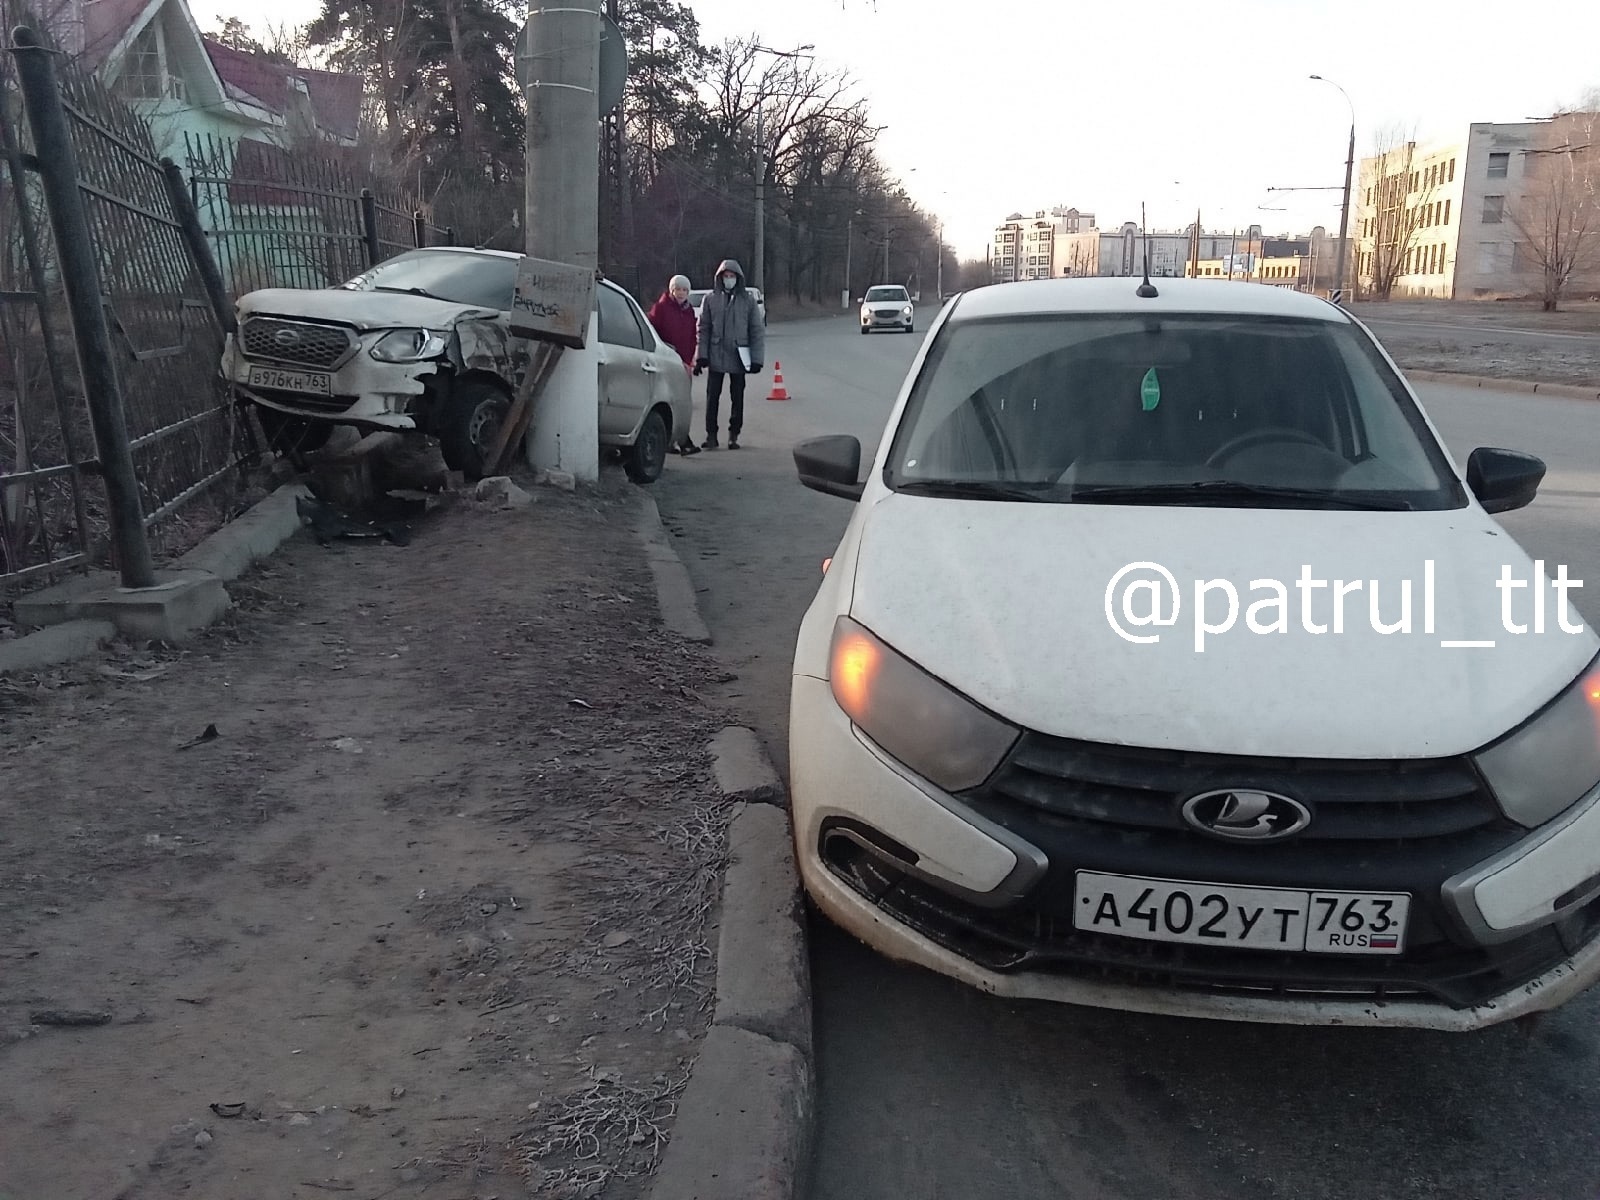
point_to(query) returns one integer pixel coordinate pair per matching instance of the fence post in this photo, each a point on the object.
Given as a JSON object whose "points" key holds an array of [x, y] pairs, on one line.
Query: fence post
{"points": [[369, 225], [80, 278], [194, 237], [450, 235], [419, 226]]}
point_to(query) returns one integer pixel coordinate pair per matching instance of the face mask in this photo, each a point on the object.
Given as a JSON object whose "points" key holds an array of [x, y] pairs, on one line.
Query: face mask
{"points": [[728, 281]]}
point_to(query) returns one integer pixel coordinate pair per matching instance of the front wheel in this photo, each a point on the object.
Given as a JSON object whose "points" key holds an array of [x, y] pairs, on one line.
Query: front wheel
{"points": [[644, 459], [471, 427], [865, 331]]}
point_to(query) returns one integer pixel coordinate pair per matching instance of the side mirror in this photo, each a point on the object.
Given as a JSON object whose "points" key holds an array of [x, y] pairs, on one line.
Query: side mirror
{"points": [[1504, 480], [830, 465]]}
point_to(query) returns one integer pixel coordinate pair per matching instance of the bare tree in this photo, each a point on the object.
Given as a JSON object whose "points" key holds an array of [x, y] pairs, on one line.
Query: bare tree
{"points": [[1558, 213], [1399, 195]]}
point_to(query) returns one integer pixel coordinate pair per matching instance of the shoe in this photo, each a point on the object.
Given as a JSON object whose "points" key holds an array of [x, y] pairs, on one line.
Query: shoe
{"points": [[688, 448], [711, 442], [733, 443]]}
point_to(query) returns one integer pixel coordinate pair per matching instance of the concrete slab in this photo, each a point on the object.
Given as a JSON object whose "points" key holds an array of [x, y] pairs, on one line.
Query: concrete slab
{"points": [[742, 768], [740, 1129], [55, 644], [180, 603], [763, 972], [232, 550]]}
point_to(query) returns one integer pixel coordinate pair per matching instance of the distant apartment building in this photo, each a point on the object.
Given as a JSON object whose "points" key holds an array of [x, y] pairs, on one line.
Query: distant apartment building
{"points": [[1065, 242], [1467, 218], [1027, 247]]}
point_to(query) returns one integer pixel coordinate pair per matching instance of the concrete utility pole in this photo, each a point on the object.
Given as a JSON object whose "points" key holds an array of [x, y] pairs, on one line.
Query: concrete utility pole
{"points": [[563, 180], [758, 276], [1344, 212], [563, 214]]}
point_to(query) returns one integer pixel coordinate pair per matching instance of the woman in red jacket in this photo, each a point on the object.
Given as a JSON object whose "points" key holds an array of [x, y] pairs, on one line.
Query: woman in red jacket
{"points": [[673, 318]]}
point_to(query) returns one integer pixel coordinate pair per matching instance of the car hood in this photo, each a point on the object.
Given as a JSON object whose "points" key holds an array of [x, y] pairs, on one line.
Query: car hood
{"points": [[364, 310], [1006, 602]]}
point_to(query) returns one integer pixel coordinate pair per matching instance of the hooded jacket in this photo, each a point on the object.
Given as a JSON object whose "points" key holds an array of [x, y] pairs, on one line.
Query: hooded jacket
{"points": [[728, 320]]}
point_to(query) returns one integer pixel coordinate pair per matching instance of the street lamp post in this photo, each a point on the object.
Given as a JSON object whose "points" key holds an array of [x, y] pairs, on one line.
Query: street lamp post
{"points": [[759, 275], [1344, 212]]}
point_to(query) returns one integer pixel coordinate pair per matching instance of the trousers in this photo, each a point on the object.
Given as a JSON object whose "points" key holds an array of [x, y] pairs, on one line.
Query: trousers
{"points": [[735, 402]]}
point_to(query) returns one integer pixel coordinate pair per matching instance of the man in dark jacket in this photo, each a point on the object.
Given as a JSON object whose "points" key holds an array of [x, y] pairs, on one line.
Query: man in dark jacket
{"points": [[733, 343], [672, 316]]}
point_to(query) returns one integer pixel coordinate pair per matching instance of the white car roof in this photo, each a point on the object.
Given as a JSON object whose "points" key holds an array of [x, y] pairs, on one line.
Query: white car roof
{"points": [[1035, 296]]}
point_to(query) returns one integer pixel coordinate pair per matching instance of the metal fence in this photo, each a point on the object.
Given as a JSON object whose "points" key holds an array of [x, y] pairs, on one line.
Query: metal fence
{"points": [[277, 218], [165, 281], [45, 503]]}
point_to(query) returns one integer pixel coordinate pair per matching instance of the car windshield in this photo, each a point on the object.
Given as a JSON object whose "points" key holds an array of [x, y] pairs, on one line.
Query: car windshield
{"points": [[1140, 409], [696, 296], [463, 278], [886, 295]]}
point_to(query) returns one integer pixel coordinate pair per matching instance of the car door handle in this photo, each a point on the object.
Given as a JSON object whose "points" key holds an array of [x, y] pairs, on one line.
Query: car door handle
{"points": [[649, 369]]}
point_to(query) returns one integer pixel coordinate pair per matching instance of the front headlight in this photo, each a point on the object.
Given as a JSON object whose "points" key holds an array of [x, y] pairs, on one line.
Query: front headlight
{"points": [[907, 310], [408, 345], [1543, 768], [934, 730]]}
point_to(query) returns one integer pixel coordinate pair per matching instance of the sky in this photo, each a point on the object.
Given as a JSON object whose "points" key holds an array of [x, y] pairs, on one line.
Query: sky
{"points": [[1181, 105]]}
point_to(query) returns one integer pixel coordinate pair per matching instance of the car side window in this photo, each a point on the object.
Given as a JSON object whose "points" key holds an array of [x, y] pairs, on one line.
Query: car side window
{"points": [[618, 325], [646, 330]]}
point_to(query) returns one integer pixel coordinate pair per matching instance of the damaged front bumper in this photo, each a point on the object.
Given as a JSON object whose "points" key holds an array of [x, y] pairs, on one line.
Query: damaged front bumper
{"points": [[349, 386]]}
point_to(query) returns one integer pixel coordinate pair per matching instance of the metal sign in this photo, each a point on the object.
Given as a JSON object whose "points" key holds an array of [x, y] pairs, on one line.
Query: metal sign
{"points": [[553, 302], [613, 62]]}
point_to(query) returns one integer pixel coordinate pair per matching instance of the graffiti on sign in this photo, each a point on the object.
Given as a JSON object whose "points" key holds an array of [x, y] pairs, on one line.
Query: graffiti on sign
{"points": [[553, 302]]}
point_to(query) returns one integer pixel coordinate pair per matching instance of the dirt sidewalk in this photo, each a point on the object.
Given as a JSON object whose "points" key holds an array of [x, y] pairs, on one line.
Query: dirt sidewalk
{"points": [[430, 914]]}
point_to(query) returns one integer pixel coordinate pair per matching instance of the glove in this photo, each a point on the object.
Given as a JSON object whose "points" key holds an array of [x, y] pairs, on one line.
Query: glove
{"points": [[698, 372], [700, 364], [755, 368]]}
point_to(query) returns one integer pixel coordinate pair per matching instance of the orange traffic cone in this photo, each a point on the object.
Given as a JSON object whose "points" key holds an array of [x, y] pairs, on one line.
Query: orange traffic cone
{"points": [[779, 392]]}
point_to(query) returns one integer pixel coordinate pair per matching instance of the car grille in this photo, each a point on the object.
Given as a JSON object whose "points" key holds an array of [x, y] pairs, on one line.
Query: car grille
{"points": [[1135, 789], [299, 342], [1026, 938]]}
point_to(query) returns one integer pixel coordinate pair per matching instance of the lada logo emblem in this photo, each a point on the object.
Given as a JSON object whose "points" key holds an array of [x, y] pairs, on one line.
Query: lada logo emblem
{"points": [[1243, 814]]}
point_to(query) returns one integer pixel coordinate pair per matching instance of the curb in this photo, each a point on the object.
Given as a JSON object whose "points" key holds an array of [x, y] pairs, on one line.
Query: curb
{"points": [[1568, 390], [674, 589], [226, 554], [743, 1128]]}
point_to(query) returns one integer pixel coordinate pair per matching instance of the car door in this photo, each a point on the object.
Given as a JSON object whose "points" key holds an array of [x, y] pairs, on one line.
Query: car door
{"points": [[627, 373]]}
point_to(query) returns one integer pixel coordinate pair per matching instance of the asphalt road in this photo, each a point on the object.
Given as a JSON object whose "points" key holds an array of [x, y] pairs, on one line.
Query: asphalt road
{"points": [[928, 1089]]}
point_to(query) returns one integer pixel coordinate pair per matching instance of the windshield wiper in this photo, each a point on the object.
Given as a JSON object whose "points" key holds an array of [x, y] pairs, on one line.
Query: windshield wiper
{"points": [[977, 489], [1228, 489], [410, 291]]}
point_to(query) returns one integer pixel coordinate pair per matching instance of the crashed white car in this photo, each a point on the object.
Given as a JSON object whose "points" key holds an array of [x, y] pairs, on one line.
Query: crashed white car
{"points": [[422, 342]]}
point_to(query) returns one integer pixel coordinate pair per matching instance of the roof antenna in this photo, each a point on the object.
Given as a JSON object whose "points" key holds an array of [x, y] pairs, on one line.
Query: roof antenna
{"points": [[1147, 290]]}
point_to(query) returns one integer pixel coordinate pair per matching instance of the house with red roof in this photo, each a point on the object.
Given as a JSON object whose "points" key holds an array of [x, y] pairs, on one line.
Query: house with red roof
{"points": [[152, 55], [238, 122]]}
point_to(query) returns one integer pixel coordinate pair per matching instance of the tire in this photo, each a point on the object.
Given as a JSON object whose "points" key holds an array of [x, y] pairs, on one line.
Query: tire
{"points": [[471, 425], [288, 434], [865, 330], [644, 459]]}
